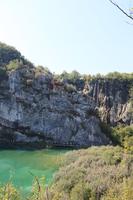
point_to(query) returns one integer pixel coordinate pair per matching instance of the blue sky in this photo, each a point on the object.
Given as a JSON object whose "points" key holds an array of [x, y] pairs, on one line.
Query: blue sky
{"points": [[90, 36]]}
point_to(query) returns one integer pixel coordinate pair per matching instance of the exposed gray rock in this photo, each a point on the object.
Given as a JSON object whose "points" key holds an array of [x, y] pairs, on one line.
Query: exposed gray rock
{"points": [[38, 110], [113, 100]]}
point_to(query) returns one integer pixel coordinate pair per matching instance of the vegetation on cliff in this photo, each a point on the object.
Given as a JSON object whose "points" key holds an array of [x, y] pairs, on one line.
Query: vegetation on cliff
{"points": [[11, 59], [119, 135], [74, 76], [7, 54]]}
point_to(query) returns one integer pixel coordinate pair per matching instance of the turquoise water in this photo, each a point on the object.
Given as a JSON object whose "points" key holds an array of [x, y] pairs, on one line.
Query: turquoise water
{"points": [[20, 167]]}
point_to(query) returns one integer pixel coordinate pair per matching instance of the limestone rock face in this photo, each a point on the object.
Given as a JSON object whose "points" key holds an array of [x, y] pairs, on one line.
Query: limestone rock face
{"points": [[113, 100], [38, 110], [34, 109]]}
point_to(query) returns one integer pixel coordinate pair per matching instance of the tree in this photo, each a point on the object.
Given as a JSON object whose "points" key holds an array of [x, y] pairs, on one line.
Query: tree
{"points": [[122, 10], [74, 75]]}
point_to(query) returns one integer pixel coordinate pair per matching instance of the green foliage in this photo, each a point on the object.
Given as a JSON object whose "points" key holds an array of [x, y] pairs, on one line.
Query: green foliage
{"points": [[131, 100], [91, 173], [114, 75], [39, 70], [119, 76], [131, 92], [128, 144], [80, 191], [8, 53], [107, 130], [70, 88], [8, 192], [123, 191], [120, 133], [14, 64], [2, 73], [11, 59], [98, 76], [87, 77], [96, 173], [73, 76], [38, 189]]}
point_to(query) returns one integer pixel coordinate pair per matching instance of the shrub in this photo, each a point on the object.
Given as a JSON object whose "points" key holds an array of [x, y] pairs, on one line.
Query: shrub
{"points": [[8, 53], [128, 144], [119, 76], [123, 191], [38, 189], [39, 70], [70, 88], [8, 192], [2, 71], [122, 132], [90, 173], [14, 64], [108, 131]]}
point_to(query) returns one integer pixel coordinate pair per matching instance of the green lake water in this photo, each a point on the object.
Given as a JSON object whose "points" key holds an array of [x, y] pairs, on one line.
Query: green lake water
{"points": [[20, 166]]}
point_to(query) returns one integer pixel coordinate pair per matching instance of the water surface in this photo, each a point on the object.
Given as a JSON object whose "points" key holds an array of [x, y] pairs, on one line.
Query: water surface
{"points": [[20, 166]]}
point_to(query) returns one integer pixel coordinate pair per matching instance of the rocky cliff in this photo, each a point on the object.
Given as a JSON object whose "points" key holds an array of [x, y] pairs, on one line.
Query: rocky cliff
{"points": [[36, 110], [113, 98], [112, 94]]}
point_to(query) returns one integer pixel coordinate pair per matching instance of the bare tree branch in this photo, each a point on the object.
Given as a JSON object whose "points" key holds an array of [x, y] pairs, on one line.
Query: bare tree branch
{"points": [[123, 11]]}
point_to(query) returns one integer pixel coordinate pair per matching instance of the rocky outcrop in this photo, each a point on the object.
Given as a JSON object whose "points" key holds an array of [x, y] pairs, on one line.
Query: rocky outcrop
{"points": [[113, 99], [113, 96], [58, 117], [36, 111]]}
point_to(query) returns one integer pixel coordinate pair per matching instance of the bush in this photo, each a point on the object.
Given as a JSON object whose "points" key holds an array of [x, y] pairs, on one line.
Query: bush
{"points": [[8, 192], [120, 133], [14, 64], [38, 189], [108, 131], [2, 71], [8, 53], [128, 144], [70, 88], [123, 191], [39, 70], [114, 75], [91, 173]]}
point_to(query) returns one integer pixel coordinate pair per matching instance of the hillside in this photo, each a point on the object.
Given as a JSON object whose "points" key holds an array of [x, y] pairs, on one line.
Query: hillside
{"points": [[41, 109]]}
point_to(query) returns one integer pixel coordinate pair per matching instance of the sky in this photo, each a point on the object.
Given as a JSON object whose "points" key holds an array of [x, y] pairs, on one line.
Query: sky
{"points": [[90, 36]]}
